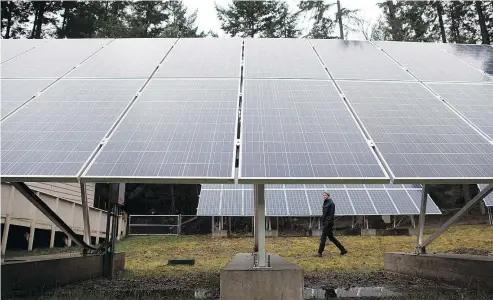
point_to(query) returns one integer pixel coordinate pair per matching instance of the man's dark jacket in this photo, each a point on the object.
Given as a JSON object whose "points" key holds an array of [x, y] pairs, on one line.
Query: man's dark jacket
{"points": [[328, 212]]}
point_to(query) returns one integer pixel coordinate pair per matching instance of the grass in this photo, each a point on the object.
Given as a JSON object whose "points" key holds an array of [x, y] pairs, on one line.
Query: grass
{"points": [[148, 256]]}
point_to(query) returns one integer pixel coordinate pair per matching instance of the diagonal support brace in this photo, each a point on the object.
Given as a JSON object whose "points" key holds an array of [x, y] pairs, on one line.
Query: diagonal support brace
{"points": [[482, 194], [50, 214]]}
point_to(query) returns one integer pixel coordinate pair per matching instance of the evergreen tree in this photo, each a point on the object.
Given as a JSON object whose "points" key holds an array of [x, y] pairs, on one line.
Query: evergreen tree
{"points": [[179, 24], [485, 38], [257, 19], [147, 18]]}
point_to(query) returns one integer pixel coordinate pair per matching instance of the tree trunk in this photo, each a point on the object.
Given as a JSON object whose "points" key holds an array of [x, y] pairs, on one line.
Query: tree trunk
{"points": [[9, 20], [64, 23], [394, 24], [440, 21], [482, 23], [35, 18], [172, 199], [40, 19], [454, 29], [339, 14]]}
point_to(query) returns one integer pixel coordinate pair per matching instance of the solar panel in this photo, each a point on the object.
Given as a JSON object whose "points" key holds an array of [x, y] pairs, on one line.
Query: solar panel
{"points": [[403, 203], [275, 203], [358, 60], [488, 200], [297, 203], [417, 136], [362, 203], [176, 129], [14, 47], [308, 202], [479, 56], [297, 129], [474, 101], [209, 203], [54, 135], [431, 207], [58, 57], [15, 92], [428, 62], [231, 203], [281, 58], [125, 58], [383, 203], [203, 58]]}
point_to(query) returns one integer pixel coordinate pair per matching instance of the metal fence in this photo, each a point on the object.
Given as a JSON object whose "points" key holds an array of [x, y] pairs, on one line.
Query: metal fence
{"points": [[157, 224]]}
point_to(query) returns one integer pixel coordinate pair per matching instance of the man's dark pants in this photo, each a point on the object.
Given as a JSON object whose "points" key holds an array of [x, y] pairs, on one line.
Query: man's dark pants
{"points": [[328, 232]]}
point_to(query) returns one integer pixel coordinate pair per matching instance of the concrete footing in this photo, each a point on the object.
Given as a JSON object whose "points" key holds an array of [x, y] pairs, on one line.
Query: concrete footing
{"points": [[271, 233], [27, 275], [241, 281], [316, 232], [457, 269], [220, 233]]}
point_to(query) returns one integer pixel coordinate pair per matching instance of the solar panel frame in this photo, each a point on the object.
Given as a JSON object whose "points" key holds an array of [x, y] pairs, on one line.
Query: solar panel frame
{"points": [[424, 134], [478, 108], [100, 104], [141, 105], [428, 62], [361, 160], [13, 48], [358, 60]]}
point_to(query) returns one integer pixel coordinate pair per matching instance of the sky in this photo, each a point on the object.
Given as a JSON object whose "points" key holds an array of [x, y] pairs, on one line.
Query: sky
{"points": [[207, 17]]}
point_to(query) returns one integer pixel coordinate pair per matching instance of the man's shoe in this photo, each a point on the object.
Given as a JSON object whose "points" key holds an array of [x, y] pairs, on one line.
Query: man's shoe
{"points": [[343, 252]]}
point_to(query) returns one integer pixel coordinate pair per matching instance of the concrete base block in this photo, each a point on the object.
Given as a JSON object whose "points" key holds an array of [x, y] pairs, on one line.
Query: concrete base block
{"points": [[413, 231], [271, 233], [220, 233], [368, 232], [316, 232], [240, 281], [28, 275], [458, 269]]}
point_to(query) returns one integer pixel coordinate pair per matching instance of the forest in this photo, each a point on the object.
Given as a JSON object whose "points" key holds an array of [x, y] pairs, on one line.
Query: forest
{"points": [[419, 21]]}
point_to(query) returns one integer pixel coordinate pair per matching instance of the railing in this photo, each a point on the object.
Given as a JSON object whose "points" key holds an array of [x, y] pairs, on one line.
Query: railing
{"points": [[157, 224]]}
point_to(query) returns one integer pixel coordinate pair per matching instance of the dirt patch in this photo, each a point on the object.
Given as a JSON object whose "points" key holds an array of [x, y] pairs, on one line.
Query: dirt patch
{"points": [[470, 251]]}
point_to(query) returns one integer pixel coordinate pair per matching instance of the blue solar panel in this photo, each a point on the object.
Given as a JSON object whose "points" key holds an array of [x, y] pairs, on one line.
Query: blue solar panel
{"points": [[362, 203], [488, 200], [297, 203], [383, 203], [209, 203], [431, 207], [275, 203], [403, 203], [231, 203]]}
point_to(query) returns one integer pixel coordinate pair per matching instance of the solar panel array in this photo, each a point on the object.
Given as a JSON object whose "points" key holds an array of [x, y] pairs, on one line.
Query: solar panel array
{"points": [[488, 200], [161, 110], [305, 201]]}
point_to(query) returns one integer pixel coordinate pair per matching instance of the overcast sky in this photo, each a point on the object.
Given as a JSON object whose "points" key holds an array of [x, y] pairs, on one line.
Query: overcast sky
{"points": [[207, 18]]}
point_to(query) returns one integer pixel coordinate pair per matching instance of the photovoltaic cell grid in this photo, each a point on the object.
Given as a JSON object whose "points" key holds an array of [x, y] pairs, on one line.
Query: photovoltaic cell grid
{"points": [[194, 57], [296, 129], [474, 101], [125, 58], [488, 200], [358, 60], [15, 92], [281, 58], [209, 203], [479, 56], [58, 57], [308, 202], [175, 129], [428, 62], [418, 137], [56, 134], [14, 47]]}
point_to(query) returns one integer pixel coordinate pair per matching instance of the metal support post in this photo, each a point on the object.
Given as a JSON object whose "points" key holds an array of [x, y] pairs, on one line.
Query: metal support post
{"points": [[395, 225], [490, 216], [85, 214], [420, 249], [50, 214], [259, 194], [319, 225], [482, 194]]}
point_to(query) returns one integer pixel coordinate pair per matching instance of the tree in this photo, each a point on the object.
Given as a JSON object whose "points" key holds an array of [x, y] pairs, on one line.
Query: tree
{"points": [[482, 23], [391, 24], [257, 19], [178, 23], [439, 8], [147, 17]]}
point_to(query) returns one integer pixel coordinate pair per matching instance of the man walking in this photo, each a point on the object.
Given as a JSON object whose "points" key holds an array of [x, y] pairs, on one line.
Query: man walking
{"points": [[328, 212]]}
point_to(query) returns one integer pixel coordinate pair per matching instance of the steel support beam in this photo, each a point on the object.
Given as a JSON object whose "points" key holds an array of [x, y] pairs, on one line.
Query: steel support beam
{"points": [[420, 249], [259, 249], [85, 214], [50, 214], [482, 194]]}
